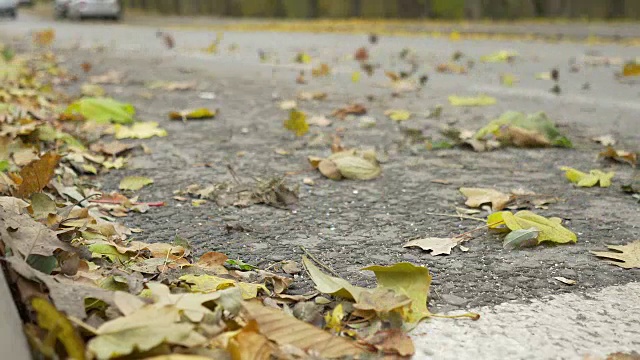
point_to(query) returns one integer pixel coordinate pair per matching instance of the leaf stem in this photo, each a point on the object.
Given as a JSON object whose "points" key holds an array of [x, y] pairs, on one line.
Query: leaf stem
{"points": [[319, 262]]}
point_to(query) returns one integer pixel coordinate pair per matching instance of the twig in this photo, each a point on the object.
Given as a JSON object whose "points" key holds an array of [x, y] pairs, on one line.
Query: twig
{"points": [[319, 262], [116, 202], [457, 216], [82, 324], [472, 316]]}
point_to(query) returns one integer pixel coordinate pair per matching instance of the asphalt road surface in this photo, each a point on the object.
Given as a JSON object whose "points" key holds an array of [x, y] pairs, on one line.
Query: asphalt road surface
{"points": [[348, 225]]}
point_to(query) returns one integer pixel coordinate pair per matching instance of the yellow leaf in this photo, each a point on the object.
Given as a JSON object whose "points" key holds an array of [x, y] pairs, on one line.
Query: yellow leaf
{"points": [[480, 100], [134, 183], [57, 325], [322, 70], [141, 130], [44, 37], [631, 69], [331, 285], [303, 58], [500, 56], [211, 283], [454, 36], [550, 229], [588, 180], [334, 318], [409, 280], [249, 344], [398, 114], [297, 122], [355, 76]]}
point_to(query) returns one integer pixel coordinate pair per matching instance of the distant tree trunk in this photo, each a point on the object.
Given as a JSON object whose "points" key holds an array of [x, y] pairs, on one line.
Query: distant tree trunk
{"points": [[617, 8], [473, 9]]}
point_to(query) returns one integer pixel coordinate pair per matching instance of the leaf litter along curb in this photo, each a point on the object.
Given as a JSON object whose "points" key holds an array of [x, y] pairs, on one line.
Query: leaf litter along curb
{"points": [[105, 291]]}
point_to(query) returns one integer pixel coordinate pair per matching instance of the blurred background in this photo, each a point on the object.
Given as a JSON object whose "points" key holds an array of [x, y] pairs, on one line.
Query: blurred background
{"points": [[440, 9]]}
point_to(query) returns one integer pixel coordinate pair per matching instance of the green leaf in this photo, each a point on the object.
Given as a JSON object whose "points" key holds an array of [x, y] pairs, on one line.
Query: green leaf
{"points": [[330, 284], [102, 110], [550, 229], [521, 238], [406, 279], [511, 124], [588, 180], [240, 264], [297, 122], [4, 165], [141, 130], [44, 264], [134, 183], [108, 251], [480, 100]]}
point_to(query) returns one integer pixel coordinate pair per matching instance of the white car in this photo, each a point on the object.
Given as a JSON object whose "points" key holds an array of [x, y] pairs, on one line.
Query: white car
{"points": [[9, 8], [80, 9]]}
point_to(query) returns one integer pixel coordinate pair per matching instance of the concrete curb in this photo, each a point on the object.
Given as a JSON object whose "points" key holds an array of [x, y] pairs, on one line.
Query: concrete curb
{"points": [[12, 339]]}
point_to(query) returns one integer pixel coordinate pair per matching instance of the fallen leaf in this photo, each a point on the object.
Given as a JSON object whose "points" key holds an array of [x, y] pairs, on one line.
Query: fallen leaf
{"points": [[521, 238], [355, 76], [319, 121], [143, 330], [476, 197], [42, 205], [329, 169], [407, 279], [564, 280], [518, 129], [631, 69], [297, 122], [322, 70], [44, 37], [508, 79], [173, 86], [92, 90], [398, 115], [391, 342], [288, 105], [195, 114], [588, 180], [59, 327], [630, 158], [321, 95], [110, 77], [381, 300], [605, 140], [250, 344], [303, 58], [625, 256], [331, 285], [353, 109], [287, 330], [134, 183], [437, 246], [361, 54], [451, 68], [500, 56], [356, 168], [102, 110], [37, 174], [141, 130], [112, 148], [480, 100], [551, 229]]}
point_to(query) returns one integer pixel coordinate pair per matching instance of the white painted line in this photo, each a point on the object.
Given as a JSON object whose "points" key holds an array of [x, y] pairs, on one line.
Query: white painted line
{"points": [[567, 326]]}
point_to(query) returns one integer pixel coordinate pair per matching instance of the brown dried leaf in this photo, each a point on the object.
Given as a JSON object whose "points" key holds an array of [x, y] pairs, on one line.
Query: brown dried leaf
{"points": [[392, 342], [353, 109], [476, 197], [36, 175], [287, 330]]}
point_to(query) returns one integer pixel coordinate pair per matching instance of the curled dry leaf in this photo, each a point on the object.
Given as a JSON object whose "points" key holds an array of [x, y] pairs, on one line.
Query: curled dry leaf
{"points": [[437, 246], [353, 109], [476, 197], [391, 342], [627, 157], [329, 169]]}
